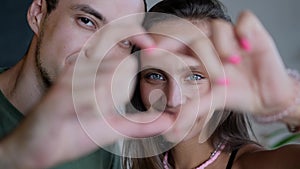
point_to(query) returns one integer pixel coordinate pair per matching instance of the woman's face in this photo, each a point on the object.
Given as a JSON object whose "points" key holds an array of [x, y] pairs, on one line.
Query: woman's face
{"points": [[173, 80]]}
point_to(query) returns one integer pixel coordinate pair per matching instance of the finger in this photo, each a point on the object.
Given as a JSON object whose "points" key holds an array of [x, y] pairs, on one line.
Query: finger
{"points": [[144, 125], [225, 41], [263, 49], [130, 126], [189, 35], [263, 54], [123, 81], [192, 37], [111, 34], [169, 29], [143, 40], [250, 30], [207, 54]]}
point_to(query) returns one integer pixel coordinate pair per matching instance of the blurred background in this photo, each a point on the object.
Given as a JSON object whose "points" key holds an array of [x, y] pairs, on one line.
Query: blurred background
{"points": [[281, 18]]}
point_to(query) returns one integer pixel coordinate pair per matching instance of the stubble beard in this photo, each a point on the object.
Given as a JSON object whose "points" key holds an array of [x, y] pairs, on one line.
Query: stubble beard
{"points": [[42, 73]]}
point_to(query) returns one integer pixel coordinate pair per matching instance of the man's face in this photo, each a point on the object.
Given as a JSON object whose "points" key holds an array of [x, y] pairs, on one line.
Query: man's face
{"points": [[66, 29]]}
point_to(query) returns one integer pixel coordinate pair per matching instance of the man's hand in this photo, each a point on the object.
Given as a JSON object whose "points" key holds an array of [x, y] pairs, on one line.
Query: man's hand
{"points": [[78, 114]]}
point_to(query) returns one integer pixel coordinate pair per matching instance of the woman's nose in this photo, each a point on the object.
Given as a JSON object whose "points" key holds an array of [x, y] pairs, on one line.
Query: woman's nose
{"points": [[174, 94]]}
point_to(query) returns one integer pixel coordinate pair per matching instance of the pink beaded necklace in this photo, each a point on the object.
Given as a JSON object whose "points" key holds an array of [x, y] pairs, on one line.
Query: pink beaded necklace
{"points": [[213, 156]]}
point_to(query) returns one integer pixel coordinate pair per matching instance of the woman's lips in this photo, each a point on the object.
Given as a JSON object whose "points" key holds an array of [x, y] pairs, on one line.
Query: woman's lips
{"points": [[172, 114]]}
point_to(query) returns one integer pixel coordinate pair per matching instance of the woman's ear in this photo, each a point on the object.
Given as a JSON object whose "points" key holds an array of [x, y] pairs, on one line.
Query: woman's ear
{"points": [[35, 14]]}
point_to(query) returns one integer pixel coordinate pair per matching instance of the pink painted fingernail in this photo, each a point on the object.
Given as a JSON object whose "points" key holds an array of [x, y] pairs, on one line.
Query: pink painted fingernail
{"points": [[245, 44], [223, 81], [235, 59]]}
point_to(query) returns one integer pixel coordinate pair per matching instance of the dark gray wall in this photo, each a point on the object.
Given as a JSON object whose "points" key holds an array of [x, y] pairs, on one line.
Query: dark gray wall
{"points": [[14, 31]]}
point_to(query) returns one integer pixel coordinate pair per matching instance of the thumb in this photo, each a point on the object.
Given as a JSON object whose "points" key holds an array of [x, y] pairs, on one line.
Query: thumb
{"points": [[141, 125]]}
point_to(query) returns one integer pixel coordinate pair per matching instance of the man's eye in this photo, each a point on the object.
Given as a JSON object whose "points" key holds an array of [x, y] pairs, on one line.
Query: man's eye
{"points": [[86, 21], [195, 77], [155, 76]]}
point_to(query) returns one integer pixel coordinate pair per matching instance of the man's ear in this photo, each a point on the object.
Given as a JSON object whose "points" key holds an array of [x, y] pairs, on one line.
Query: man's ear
{"points": [[35, 15]]}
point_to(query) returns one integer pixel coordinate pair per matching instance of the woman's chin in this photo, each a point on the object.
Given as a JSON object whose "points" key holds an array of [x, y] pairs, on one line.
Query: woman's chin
{"points": [[176, 137]]}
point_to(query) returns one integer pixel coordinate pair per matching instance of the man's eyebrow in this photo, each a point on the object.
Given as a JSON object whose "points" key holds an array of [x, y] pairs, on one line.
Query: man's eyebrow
{"points": [[87, 9]]}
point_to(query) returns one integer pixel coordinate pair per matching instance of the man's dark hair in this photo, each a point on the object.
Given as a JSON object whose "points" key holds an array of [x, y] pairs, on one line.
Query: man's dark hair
{"points": [[51, 5]]}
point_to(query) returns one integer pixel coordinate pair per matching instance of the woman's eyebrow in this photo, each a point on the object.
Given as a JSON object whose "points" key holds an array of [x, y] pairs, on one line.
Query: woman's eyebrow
{"points": [[192, 68]]}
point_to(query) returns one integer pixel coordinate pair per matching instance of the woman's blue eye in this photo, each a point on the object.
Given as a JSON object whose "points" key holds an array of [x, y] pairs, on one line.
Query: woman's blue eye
{"points": [[195, 77], [155, 76]]}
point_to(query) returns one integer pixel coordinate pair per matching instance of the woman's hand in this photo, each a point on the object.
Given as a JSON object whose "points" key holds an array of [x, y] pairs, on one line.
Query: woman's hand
{"points": [[258, 80]]}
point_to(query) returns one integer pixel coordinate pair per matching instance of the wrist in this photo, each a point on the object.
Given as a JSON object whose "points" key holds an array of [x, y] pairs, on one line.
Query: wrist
{"points": [[13, 157], [290, 113], [5, 159], [293, 119]]}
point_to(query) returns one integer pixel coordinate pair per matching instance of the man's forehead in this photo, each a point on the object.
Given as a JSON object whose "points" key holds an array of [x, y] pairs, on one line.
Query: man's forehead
{"points": [[110, 9]]}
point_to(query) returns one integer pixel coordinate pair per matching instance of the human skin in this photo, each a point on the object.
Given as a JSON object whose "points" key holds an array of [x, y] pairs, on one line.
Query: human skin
{"points": [[249, 87], [51, 132], [58, 39], [174, 83], [174, 79], [265, 94]]}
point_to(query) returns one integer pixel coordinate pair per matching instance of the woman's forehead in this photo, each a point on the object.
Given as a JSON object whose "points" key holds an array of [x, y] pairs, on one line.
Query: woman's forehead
{"points": [[176, 24], [179, 30]]}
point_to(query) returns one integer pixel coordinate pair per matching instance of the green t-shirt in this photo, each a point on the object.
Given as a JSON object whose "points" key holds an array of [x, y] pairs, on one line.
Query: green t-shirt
{"points": [[10, 117]]}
